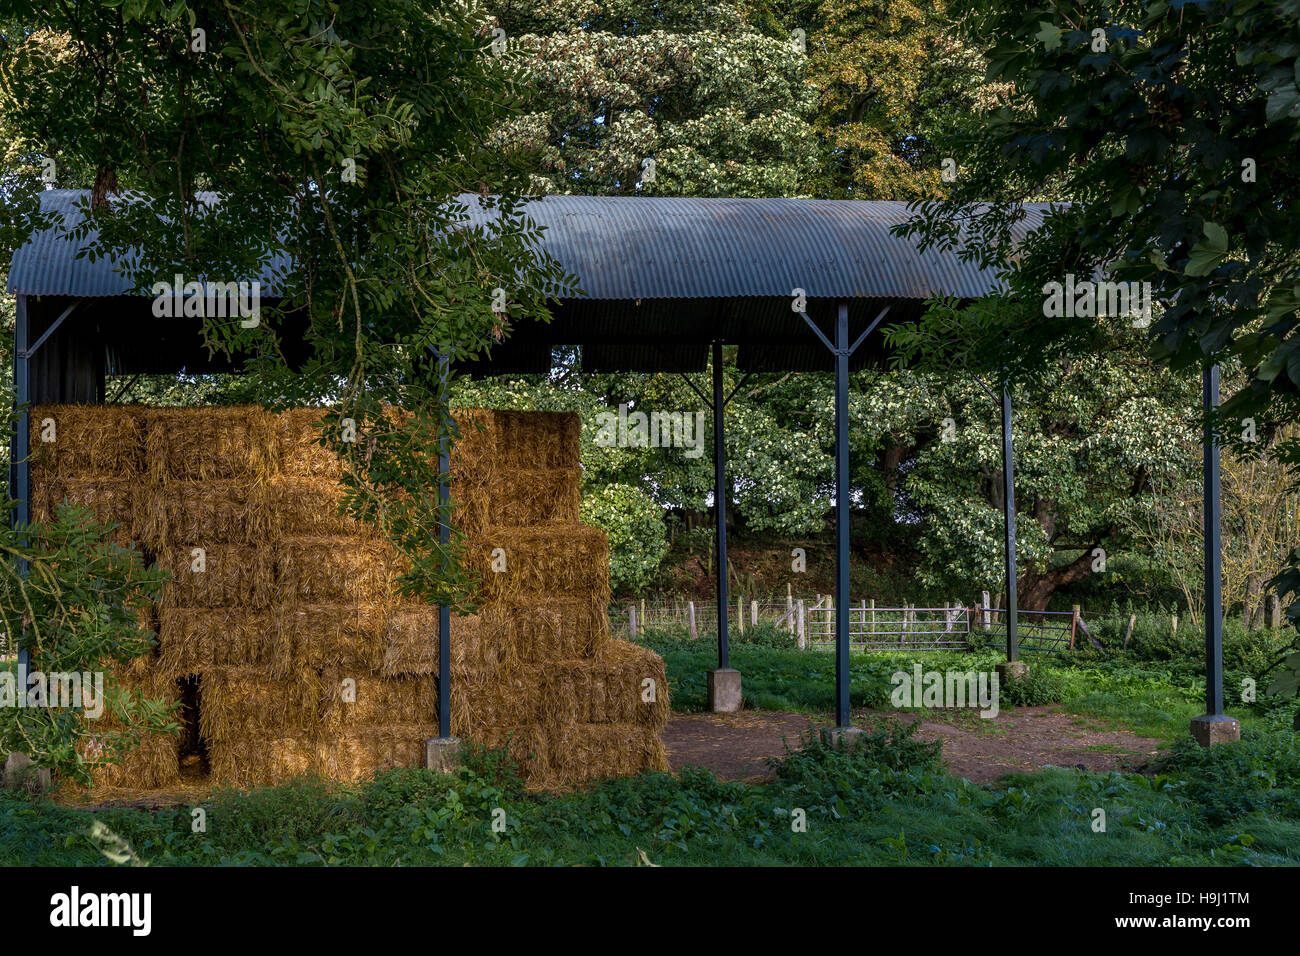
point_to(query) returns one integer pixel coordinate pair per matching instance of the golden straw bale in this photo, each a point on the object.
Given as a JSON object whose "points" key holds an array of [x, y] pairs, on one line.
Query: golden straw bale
{"points": [[533, 628], [138, 679], [321, 570], [352, 701], [471, 505], [205, 444], [482, 640], [152, 764], [555, 627], [473, 467], [566, 693], [217, 575], [538, 439], [474, 446], [527, 747], [330, 635], [259, 760], [630, 685], [534, 496], [359, 754], [309, 507], [86, 441], [555, 558], [119, 501], [622, 684], [411, 640], [239, 702], [192, 639], [580, 753], [222, 511], [483, 698], [297, 434]]}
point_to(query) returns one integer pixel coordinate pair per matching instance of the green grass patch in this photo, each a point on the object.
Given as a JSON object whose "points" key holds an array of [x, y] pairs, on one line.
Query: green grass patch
{"points": [[886, 802]]}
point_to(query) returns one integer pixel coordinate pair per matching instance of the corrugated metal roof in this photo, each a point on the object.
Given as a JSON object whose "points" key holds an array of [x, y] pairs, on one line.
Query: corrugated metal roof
{"points": [[629, 248]]}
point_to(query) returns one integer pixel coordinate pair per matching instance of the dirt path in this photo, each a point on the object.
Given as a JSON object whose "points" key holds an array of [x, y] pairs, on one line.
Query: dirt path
{"points": [[737, 746]]}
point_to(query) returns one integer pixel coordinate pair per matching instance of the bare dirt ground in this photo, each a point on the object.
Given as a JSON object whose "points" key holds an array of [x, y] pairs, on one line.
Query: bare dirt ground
{"points": [[738, 746]]}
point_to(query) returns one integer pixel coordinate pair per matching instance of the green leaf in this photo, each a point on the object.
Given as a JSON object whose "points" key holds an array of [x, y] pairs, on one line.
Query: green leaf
{"points": [[1284, 685], [1049, 34], [1217, 236], [1202, 261], [1282, 103]]}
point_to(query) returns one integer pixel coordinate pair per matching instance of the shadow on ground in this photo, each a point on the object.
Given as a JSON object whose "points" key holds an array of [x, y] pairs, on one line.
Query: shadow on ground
{"points": [[738, 746]]}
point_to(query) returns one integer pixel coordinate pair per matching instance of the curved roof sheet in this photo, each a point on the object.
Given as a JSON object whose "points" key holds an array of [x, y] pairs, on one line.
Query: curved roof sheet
{"points": [[630, 248]]}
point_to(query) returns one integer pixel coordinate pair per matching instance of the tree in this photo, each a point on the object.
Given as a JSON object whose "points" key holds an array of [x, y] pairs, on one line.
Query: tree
{"points": [[1261, 523], [894, 79], [1171, 130], [635, 526], [338, 132], [79, 605], [658, 99]]}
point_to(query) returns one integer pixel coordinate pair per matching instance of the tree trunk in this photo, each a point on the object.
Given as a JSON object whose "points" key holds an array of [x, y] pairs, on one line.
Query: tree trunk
{"points": [[1036, 590]]}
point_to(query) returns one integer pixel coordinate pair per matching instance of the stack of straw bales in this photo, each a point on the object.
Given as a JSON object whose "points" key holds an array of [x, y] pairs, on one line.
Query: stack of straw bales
{"points": [[284, 611]]}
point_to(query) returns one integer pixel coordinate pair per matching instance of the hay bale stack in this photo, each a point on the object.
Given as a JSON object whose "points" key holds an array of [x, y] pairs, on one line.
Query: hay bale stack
{"points": [[93, 457], [116, 501], [303, 657], [209, 444], [537, 440], [312, 507], [154, 762], [195, 639], [340, 635], [245, 703], [86, 441], [210, 575], [580, 753], [356, 755], [300, 451], [332, 570], [558, 559], [224, 511], [262, 761], [621, 683]]}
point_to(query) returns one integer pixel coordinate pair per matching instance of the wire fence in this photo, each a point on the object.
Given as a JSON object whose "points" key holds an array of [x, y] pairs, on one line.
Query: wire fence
{"points": [[811, 623]]}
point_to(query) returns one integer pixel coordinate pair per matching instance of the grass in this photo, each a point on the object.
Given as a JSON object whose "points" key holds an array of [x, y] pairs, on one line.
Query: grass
{"points": [[890, 802], [887, 803], [1151, 698]]}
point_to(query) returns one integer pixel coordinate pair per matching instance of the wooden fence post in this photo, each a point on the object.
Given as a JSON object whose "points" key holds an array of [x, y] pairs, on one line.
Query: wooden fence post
{"points": [[1074, 623], [803, 633], [753, 613], [1173, 622], [1128, 631], [740, 612], [631, 616], [690, 612]]}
